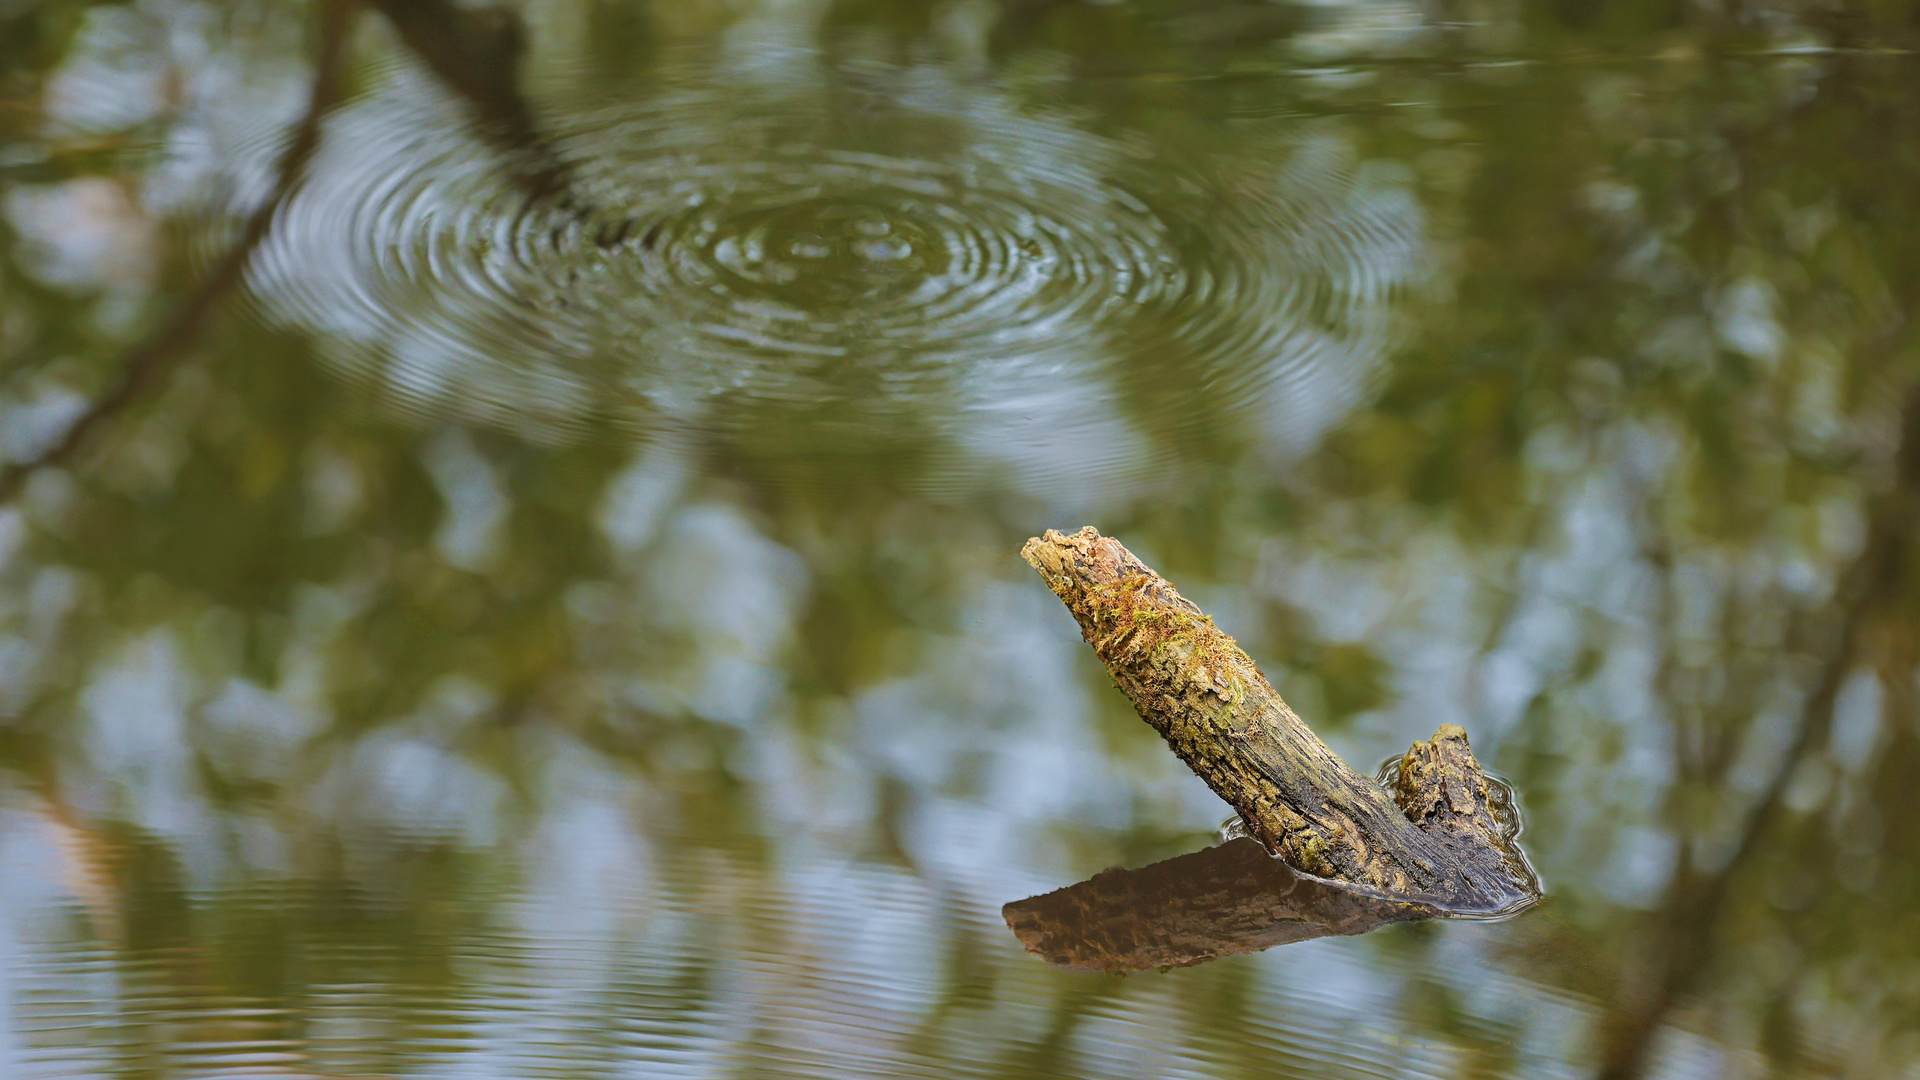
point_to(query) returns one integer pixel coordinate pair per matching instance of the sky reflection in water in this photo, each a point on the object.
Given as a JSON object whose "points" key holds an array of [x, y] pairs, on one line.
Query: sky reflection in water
{"points": [[564, 617]]}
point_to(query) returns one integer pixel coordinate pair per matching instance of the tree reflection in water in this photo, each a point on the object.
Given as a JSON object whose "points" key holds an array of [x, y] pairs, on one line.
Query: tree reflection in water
{"points": [[595, 677]]}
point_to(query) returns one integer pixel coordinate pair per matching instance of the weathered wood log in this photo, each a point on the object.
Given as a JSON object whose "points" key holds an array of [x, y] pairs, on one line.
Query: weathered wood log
{"points": [[1223, 901], [1436, 839]]}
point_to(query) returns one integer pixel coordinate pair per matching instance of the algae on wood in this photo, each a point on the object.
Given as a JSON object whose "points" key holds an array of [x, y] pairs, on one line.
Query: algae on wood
{"points": [[1435, 839]]}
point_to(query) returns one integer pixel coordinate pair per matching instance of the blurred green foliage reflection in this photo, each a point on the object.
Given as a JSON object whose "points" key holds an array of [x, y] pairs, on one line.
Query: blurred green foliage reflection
{"points": [[554, 611]]}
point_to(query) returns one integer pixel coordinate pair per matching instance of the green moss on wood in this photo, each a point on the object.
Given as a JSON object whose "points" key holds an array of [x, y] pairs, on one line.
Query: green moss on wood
{"points": [[1200, 690]]}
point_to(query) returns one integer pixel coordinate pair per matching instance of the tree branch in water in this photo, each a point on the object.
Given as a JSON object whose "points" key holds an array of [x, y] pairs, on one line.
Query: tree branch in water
{"points": [[1434, 840]]}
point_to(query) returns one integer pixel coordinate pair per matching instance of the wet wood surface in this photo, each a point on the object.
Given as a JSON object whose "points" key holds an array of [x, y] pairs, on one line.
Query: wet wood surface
{"points": [[1435, 839]]}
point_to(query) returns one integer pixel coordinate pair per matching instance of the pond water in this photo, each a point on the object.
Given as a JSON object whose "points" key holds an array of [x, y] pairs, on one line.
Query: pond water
{"points": [[534, 591]]}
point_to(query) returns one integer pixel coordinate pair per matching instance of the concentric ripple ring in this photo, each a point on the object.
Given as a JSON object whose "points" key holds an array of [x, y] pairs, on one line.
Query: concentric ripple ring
{"points": [[944, 260]]}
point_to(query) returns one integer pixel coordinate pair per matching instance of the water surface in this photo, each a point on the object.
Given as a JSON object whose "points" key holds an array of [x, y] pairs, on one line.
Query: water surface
{"points": [[560, 614]]}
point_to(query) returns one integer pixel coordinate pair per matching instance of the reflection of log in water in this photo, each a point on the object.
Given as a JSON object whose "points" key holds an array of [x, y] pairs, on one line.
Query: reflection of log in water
{"points": [[1225, 901]]}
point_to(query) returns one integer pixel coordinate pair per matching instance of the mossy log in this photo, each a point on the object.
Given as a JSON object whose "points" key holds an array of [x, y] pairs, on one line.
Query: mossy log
{"points": [[1229, 900], [1435, 839]]}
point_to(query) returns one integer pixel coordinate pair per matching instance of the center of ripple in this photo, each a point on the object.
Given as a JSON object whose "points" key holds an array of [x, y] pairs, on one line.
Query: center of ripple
{"points": [[862, 255], [822, 254]]}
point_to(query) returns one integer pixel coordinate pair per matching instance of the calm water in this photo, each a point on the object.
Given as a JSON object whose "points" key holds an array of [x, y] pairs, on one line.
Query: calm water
{"points": [[558, 614]]}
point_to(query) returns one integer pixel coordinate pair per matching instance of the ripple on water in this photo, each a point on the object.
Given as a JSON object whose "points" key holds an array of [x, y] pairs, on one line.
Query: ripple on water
{"points": [[724, 966], [945, 263]]}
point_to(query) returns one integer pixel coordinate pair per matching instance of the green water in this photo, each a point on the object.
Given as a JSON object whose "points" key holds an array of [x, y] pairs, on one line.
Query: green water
{"points": [[559, 613]]}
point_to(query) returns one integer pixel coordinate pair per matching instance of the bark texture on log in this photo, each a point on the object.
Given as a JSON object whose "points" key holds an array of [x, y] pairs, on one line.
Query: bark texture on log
{"points": [[1224, 901], [1436, 839]]}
